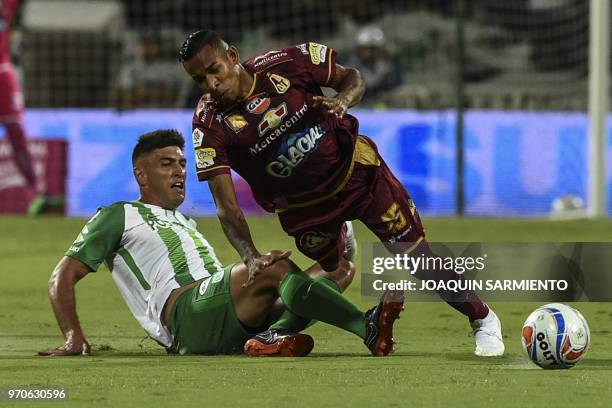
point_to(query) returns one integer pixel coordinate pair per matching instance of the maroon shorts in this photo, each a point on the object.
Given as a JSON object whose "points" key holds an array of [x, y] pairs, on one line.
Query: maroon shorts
{"points": [[372, 195], [11, 99]]}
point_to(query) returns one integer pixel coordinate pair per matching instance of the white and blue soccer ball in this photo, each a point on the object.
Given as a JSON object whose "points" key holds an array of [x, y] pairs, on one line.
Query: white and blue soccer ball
{"points": [[556, 336]]}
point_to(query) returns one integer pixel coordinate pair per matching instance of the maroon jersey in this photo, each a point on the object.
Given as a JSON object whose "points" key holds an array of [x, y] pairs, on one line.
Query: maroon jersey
{"points": [[290, 153], [8, 8]]}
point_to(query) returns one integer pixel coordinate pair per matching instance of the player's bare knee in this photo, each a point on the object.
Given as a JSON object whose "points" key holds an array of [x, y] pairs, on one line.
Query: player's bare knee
{"points": [[276, 272], [283, 267], [343, 275], [348, 273]]}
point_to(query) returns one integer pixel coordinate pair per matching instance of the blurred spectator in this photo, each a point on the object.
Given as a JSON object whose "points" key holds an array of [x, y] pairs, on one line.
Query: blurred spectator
{"points": [[556, 29], [149, 80], [12, 108], [380, 69]]}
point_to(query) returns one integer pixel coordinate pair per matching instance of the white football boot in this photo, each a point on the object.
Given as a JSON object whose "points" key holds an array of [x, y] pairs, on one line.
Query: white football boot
{"points": [[350, 243], [488, 335]]}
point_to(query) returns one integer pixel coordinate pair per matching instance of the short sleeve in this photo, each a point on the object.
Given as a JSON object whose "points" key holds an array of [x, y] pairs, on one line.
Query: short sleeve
{"points": [[210, 152], [100, 237], [317, 59]]}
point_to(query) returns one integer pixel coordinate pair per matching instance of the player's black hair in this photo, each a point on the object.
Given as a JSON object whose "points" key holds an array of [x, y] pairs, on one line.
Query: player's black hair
{"points": [[198, 40], [158, 139]]}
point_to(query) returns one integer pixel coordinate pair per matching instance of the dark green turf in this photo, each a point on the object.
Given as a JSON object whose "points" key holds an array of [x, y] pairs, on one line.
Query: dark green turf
{"points": [[434, 364]]}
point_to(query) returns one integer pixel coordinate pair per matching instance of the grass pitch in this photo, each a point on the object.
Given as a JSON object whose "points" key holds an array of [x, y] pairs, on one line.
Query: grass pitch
{"points": [[434, 364]]}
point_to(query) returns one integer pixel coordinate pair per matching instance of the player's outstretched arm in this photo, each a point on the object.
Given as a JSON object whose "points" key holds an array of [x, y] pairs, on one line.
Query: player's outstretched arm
{"points": [[61, 293], [350, 87], [235, 226]]}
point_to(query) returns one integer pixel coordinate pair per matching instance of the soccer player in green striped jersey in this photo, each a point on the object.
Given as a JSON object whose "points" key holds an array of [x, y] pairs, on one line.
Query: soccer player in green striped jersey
{"points": [[179, 292]]}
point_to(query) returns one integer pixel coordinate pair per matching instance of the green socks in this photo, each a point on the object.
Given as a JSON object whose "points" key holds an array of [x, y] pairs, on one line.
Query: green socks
{"points": [[315, 299], [293, 323]]}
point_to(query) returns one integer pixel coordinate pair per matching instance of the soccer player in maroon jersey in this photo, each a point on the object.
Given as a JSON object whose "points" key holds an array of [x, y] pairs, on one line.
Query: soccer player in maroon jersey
{"points": [[11, 105], [302, 154]]}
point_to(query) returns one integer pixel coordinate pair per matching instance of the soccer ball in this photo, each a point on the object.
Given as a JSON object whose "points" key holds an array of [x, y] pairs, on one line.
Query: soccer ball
{"points": [[556, 336]]}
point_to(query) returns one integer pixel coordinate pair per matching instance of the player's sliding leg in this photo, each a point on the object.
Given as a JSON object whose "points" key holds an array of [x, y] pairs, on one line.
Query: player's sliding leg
{"points": [[313, 299], [393, 217], [332, 244], [286, 321]]}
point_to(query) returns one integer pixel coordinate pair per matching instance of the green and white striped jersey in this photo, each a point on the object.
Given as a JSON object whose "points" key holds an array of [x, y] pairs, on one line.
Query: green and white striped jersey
{"points": [[150, 251]]}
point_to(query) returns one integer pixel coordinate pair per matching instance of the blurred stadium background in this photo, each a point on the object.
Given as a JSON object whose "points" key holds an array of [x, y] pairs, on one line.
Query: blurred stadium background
{"points": [[96, 74]]}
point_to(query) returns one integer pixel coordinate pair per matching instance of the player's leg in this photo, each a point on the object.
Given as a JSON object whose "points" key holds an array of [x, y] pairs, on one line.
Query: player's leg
{"points": [[218, 315], [393, 217], [204, 319], [11, 108], [313, 299], [286, 321], [23, 160], [282, 338], [324, 243]]}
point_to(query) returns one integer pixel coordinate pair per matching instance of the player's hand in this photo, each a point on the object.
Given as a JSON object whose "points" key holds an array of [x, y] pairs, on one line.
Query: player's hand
{"points": [[336, 105], [258, 264], [72, 347]]}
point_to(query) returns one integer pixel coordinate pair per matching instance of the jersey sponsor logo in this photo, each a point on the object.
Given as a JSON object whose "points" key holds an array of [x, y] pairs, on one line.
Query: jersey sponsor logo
{"points": [[197, 136], [280, 83], [303, 48], [205, 157], [297, 147], [236, 122], [203, 286], [258, 105], [155, 223], [268, 57], [276, 133], [315, 240], [317, 53], [217, 277], [202, 111], [272, 119]]}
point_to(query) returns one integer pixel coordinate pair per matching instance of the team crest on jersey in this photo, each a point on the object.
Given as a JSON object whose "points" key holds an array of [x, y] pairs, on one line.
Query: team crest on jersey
{"points": [[317, 53], [205, 157], [272, 119], [197, 136], [280, 83], [258, 105], [236, 121], [315, 240]]}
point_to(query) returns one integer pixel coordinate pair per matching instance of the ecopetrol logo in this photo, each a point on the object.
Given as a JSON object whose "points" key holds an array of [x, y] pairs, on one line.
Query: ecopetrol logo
{"points": [[295, 149]]}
